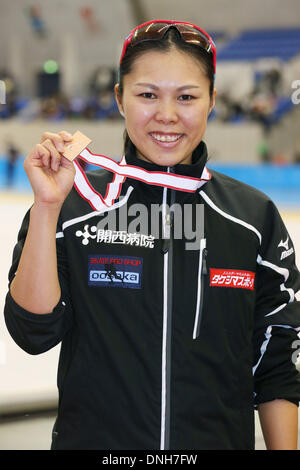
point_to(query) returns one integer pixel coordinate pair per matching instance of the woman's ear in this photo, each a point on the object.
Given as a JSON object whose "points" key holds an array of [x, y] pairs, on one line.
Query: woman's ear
{"points": [[118, 100], [212, 101]]}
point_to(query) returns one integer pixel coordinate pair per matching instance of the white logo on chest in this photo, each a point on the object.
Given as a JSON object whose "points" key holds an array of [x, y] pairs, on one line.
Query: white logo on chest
{"points": [[86, 234], [114, 237]]}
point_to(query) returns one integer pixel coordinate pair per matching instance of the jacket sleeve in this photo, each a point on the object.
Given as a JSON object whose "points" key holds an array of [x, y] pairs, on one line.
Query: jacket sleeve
{"points": [[32, 332], [277, 315]]}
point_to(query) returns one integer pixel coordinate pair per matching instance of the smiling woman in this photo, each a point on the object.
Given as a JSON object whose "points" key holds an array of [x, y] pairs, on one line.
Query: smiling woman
{"points": [[166, 92], [166, 103], [166, 344]]}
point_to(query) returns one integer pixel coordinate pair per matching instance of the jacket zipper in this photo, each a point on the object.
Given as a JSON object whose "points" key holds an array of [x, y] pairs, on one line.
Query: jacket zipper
{"points": [[202, 271], [167, 249]]}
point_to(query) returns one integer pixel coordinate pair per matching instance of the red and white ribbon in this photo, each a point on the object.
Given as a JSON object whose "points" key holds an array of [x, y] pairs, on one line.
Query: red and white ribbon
{"points": [[121, 172]]}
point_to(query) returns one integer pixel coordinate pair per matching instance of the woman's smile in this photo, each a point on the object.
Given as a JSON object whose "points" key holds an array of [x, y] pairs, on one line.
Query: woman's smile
{"points": [[166, 140]]}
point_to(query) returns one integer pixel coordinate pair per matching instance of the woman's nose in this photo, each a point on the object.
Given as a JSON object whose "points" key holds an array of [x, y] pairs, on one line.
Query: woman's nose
{"points": [[166, 112]]}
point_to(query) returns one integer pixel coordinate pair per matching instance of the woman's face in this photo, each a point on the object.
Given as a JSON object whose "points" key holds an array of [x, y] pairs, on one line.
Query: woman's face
{"points": [[166, 104]]}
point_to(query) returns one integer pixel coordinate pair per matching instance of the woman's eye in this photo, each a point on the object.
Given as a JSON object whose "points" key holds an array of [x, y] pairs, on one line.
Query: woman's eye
{"points": [[148, 95], [186, 97]]}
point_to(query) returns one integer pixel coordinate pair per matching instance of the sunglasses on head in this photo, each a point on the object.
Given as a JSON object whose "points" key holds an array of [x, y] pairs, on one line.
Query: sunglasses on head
{"points": [[155, 30]]}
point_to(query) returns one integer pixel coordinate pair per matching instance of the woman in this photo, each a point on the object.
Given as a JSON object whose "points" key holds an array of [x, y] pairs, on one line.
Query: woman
{"points": [[166, 343]]}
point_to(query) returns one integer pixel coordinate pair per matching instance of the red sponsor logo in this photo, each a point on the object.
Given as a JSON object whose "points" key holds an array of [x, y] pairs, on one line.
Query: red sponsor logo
{"points": [[115, 260], [232, 278]]}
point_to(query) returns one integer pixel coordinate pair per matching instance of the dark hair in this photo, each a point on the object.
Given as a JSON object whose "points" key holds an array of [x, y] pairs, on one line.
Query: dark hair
{"points": [[172, 39]]}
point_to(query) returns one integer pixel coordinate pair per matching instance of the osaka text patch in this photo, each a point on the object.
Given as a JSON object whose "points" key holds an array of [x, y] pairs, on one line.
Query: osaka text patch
{"points": [[232, 278], [115, 271]]}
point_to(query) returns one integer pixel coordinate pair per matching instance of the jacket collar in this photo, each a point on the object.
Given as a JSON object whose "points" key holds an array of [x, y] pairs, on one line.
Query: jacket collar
{"points": [[196, 169], [186, 179]]}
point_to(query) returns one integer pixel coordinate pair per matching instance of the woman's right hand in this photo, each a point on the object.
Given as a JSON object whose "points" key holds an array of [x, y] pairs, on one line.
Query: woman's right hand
{"points": [[51, 175]]}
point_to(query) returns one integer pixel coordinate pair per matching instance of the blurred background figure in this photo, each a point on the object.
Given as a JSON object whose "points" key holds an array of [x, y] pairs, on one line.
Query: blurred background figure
{"points": [[13, 155], [36, 21], [88, 16], [264, 151], [11, 94]]}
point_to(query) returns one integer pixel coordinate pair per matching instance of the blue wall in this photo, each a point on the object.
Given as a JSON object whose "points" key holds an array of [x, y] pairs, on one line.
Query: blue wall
{"points": [[280, 182]]}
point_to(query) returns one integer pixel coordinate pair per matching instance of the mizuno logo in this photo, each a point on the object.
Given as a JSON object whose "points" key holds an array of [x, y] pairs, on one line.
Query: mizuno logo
{"points": [[285, 244], [287, 251]]}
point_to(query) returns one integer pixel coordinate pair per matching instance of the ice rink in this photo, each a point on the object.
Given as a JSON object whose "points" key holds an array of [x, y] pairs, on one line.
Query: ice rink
{"points": [[28, 383]]}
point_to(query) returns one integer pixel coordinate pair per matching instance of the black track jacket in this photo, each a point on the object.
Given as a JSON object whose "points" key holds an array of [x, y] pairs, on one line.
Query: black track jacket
{"points": [[164, 347]]}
